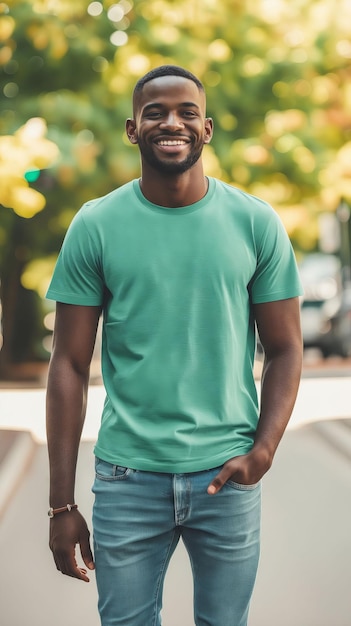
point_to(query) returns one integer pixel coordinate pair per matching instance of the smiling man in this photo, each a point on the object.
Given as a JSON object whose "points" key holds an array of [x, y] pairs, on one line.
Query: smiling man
{"points": [[169, 131], [184, 268]]}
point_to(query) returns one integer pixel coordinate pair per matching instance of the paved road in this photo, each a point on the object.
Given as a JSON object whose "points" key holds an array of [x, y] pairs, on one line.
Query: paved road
{"points": [[305, 571]]}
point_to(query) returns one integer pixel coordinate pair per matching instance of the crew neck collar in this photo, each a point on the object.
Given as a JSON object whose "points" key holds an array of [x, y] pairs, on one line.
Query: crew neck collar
{"points": [[175, 210]]}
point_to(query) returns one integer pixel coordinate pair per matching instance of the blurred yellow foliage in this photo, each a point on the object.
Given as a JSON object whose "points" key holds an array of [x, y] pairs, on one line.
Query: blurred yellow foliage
{"points": [[37, 274], [7, 26], [27, 149]]}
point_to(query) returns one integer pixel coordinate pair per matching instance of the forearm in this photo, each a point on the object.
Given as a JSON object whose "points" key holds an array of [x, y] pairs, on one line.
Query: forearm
{"points": [[280, 382], [279, 387], [66, 406]]}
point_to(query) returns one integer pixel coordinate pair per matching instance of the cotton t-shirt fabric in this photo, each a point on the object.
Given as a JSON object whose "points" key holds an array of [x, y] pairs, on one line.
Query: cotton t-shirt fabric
{"points": [[178, 339]]}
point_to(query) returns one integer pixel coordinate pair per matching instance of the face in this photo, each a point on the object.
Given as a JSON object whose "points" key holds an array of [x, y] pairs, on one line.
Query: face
{"points": [[169, 124]]}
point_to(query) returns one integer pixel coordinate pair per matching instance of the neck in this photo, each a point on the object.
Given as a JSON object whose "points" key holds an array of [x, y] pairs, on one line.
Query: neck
{"points": [[174, 191]]}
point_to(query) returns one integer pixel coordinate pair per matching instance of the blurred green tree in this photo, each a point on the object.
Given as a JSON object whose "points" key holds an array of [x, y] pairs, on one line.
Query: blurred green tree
{"points": [[277, 75]]}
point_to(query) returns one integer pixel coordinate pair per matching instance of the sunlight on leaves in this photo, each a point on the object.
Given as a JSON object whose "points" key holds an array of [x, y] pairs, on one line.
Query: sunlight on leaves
{"points": [[24, 151]]}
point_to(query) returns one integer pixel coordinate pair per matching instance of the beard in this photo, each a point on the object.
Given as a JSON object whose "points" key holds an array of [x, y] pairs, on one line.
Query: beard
{"points": [[169, 166]]}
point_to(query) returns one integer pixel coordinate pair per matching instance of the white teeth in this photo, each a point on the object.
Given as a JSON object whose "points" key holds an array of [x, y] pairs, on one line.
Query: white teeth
{"points": [[170, 142]]}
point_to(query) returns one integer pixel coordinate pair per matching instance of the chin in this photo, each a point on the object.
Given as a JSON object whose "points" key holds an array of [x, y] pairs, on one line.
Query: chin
{"points": [[173, 168]]}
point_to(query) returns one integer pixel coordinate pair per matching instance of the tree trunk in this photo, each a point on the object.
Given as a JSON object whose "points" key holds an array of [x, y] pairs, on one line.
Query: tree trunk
{"points": [[16, 311]]}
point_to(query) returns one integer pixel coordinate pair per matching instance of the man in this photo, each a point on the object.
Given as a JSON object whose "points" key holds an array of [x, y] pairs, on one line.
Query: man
{"points": [[182, 267]]}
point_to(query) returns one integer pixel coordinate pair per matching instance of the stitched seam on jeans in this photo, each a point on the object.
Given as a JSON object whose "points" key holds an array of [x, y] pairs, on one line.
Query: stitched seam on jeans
{"points": [[240, 487], [161, 577]]}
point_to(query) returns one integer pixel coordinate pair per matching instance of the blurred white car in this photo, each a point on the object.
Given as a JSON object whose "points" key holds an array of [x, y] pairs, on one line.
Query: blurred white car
{"points": [[336, 332], [322, 283]]}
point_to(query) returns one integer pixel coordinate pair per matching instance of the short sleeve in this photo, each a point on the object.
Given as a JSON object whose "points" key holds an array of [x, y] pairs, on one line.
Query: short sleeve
{"points": [[77, 277], [276, 276]]}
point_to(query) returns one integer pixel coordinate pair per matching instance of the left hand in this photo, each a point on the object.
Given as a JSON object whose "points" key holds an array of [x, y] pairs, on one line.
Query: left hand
{"points": [[246, 469]]}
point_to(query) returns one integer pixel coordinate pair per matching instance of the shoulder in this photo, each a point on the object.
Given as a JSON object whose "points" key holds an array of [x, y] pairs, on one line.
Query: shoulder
{"points": [[96, 208], [252, 212], [240, 199], [96, 216]]}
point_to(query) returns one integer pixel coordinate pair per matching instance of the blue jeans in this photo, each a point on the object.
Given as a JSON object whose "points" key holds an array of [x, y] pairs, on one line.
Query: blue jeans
{"points": [[138, 518]]}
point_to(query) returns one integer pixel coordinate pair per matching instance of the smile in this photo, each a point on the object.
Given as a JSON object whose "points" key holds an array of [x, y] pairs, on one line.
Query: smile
{"points": [[171, 142]]}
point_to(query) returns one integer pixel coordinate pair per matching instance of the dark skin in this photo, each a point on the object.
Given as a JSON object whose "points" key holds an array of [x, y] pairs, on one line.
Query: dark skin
{"points": [[170, 109], [74, 338], [170, 127]]}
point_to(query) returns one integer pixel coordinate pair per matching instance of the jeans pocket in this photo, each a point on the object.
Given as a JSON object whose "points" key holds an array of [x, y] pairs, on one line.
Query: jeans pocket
{"points": [[241, 487], [109, 471]]}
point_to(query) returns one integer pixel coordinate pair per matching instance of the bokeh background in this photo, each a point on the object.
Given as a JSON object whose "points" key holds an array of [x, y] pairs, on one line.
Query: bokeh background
{"points": [[278, 80]]}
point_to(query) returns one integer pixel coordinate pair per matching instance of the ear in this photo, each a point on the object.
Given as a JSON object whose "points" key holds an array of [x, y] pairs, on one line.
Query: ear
{"points": [[131, 131], [208, 129]]}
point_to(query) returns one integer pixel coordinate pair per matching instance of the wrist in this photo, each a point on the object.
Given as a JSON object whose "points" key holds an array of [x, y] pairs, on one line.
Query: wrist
{"points": [[263, 453], [67, 508]]}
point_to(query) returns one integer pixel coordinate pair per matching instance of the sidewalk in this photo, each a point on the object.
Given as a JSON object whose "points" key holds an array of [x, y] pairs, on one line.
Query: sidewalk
{"points": [[17, 449], [305, 545], [325, 403]]}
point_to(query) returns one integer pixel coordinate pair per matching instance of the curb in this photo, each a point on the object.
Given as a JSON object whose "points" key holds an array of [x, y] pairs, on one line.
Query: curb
{"points": [[14, 465], [336, 433]]}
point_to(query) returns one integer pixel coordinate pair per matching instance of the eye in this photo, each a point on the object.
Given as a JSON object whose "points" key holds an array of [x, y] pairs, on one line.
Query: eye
{"points": [[189, 114], [153, 115]]}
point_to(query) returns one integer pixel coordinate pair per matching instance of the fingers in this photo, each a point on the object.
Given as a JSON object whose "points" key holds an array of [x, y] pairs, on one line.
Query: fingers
{"points": [[87, 554], [66, 533], [233, 467], [67, 564], [218, 481], [246, 469]]}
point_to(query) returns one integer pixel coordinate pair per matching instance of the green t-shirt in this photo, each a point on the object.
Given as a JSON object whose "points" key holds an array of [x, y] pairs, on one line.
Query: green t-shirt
{"points": [[178, 338]]}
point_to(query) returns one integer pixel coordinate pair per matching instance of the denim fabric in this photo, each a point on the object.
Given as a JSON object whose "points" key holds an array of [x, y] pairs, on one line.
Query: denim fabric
{"points": [[138, 519]]}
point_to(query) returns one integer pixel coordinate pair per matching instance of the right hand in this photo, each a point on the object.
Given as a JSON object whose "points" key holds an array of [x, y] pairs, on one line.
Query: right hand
{"points": [[66, 531]]}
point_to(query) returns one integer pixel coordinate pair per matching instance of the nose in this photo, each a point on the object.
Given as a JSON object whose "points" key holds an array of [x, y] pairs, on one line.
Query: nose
{"points": [[172, 122]]}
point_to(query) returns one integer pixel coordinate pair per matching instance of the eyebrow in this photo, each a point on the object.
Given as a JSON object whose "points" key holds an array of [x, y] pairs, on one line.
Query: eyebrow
{"points": [[159, 105]]}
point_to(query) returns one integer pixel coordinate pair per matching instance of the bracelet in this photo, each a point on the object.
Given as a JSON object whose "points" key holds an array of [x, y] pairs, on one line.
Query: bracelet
{"points": [[52, 512]]}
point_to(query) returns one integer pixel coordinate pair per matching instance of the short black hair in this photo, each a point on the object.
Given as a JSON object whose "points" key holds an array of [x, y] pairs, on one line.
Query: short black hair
{"points": [[166, 70]]}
